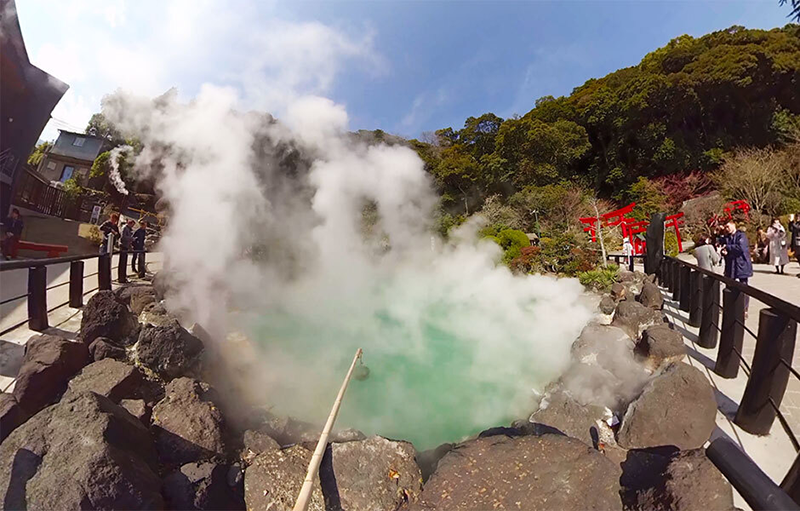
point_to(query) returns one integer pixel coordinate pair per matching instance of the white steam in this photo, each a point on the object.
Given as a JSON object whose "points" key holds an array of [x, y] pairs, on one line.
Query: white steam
{"points": [[113, 174], [267, 235]]}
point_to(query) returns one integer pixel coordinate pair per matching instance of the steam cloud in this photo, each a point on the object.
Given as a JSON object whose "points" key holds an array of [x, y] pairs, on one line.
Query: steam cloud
{"points": [[114, 175], [313, 242]]}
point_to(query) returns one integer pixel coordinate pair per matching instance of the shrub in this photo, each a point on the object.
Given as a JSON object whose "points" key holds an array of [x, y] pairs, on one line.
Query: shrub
{"points": [[671, 243], [561, 253], [599, 279]]}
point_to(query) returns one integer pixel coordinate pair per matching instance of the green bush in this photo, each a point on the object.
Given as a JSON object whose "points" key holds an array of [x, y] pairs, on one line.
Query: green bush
{"points": [[671, 243], [599, 279]]}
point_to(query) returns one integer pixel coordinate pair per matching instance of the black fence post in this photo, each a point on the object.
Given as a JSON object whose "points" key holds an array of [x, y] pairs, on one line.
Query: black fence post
{"points": [[768, 376], [684, 288], [37, 298], [709, 322], [104, 272], [676, 281], [664, 277], [732, 336], [695, 298], [142, 263], [122, 267], [76, 284]]}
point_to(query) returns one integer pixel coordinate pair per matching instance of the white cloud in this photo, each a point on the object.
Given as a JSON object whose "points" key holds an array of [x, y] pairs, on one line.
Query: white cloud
{"points": [[99, 46]]}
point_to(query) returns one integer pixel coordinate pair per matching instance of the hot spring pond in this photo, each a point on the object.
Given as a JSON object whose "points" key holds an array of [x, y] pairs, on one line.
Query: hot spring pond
{"points": [[426, 384]]}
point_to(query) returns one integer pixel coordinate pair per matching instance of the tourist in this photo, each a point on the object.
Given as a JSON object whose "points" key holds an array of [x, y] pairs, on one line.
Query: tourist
{"points": [[705, 253], [762, 247], [627, 251], [138, 244], [778, 250], [14, 227], [109, 229], [125, 246], [794, 226], [736, 250]]}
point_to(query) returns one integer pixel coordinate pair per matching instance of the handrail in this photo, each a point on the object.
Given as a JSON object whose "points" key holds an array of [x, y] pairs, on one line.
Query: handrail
{"points": [[789, 309], [33, 263]]}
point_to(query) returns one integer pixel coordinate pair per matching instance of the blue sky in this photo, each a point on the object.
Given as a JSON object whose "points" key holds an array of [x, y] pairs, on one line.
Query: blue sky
{"points": [[404, 67]]}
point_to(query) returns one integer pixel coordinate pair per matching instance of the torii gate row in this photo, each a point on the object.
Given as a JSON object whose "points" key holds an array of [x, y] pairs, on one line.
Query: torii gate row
{"points": [[630, 226]]}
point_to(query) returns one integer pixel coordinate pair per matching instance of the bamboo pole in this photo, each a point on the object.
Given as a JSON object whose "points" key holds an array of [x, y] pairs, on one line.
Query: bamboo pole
{"points": [[305, 492]]}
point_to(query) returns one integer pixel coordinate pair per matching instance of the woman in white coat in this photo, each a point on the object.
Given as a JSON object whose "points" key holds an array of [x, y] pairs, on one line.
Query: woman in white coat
{"points": [[778, 246]]}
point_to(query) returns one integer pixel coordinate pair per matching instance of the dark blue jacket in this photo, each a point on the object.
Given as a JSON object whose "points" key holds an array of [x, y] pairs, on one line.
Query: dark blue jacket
{"points": [[737, 261], [138, 238], [14, 226]]}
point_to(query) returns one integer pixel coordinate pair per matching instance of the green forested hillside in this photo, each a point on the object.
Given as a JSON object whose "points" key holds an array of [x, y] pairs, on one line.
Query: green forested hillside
{"points": [[681, 109]]}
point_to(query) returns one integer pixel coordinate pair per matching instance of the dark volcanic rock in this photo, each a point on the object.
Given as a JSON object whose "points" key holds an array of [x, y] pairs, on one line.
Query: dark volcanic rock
{"points": [[82, 453], [200, 486], [570, 417], [105, 316], [288, 431], [110, 378], [633, 317], [49, 362], [275, 477], [141, 296], [607, 304], [103, 347], [527, 472], [187, 424], [617, 291], [137, 408], [371, 474], [170, 351], [429, 460], [676, 407], [661, 344], [11, 415], [651, 296], [676, 481]]}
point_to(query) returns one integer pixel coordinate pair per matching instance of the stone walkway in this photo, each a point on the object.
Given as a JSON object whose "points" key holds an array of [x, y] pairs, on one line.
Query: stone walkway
{"points": [[64, 320], [774, 453]]}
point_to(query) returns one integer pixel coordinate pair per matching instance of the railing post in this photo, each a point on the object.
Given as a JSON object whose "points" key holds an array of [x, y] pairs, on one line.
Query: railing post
{"points": [[663, 276], [104, 272], [37, 298], [122, 267], [768, 376], [684, 288], [76, 284], [709, 322], [676, 281], [732, 336], [142, 262], [695, 298]]}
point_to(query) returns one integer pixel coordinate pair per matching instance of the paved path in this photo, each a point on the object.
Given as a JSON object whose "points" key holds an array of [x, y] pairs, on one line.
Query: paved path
{"points": [[64, 320], [774, 453]]}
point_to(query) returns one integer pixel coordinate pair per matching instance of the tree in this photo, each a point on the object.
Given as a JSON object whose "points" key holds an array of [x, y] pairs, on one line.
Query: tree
{"points": [[754, 175], [38, 153], [795, 4], [101, 127], [479, 134]]}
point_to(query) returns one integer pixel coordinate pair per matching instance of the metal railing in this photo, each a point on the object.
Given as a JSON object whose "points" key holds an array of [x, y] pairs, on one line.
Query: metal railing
{"points": [[37, 283], [720, 316]]}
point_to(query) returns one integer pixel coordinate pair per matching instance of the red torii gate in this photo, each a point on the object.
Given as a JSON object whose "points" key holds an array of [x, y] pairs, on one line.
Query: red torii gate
{"points": [[630, 226]]}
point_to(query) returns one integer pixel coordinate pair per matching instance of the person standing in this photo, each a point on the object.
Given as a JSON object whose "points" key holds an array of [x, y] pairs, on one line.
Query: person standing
{"points": [[14, 225], [125, 246], [108, 229], [627, 251], [778, 251], [794, 226], [762, 246], [736, 251], [705, 253], [139, 236]]}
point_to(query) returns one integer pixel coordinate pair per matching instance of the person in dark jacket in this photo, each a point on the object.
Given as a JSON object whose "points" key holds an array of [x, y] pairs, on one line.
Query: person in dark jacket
{"points": [[125, 246], [736, 251], [794, 227], [109, 228], [14, 227], [139, 236]]}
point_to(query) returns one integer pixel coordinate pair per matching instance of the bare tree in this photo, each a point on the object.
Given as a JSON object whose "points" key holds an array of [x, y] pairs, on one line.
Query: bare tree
{"points": [[754, 175]]}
